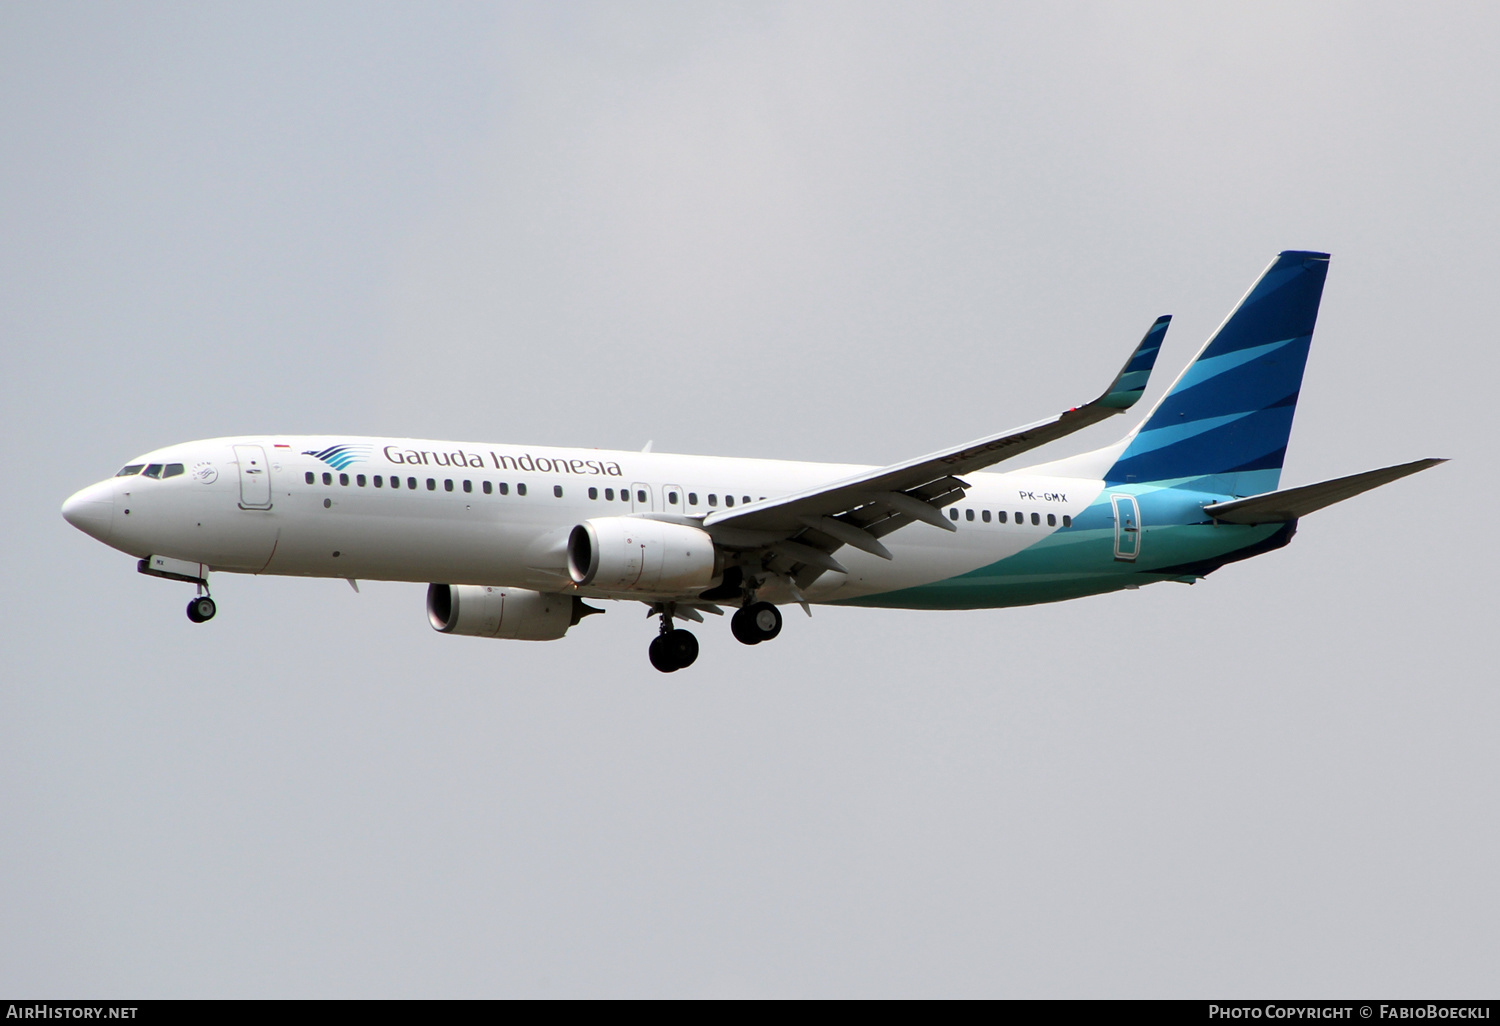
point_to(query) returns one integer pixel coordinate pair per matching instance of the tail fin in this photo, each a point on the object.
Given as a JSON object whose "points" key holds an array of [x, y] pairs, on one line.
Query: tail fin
{"points": [[1223, 425]]}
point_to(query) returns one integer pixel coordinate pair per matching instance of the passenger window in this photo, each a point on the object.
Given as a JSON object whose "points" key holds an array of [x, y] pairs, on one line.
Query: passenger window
{"points": [[310, 477], [593, 493], [671, 498], [984, 515], [1020, 517], [952, 514], [379, 481], [504, 488], [1067, 520], [729, 500], [432, 484], [520, 489], [609, 493], [1002, 516], [969, 515], [468, 486], [135, 468], [487, 488], [745, 499], [1036, 519], [557, 491], [448, 484], [692, 498], [344, 480], [173, 469], [1051, 519], [640, 495], [395, 481], [713, 500], [327, 478], [359, 479], [411, 483]]}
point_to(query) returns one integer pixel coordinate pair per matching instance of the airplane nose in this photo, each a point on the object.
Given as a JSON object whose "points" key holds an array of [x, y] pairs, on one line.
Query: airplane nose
{"points": [[91, 510]]}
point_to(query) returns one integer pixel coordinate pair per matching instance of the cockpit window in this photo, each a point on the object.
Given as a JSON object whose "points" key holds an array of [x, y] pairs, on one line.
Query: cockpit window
{"points": [[173, 469], [154, 470], [130, 471]]}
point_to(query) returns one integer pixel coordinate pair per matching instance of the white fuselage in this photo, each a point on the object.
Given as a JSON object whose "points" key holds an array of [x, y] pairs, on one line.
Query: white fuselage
{"points": [[477, 513]]}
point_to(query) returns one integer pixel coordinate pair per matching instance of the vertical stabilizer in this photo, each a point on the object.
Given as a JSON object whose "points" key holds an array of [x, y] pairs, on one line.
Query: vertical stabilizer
{"points": [[1223, 425]]}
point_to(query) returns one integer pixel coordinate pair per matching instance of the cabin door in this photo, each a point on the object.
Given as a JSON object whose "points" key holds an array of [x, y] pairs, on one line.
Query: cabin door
{"points": [[1127, 528], [255, 477]]}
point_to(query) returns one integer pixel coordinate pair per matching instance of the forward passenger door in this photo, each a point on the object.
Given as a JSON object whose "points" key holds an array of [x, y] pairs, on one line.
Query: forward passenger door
{"points": [[255, 477]]}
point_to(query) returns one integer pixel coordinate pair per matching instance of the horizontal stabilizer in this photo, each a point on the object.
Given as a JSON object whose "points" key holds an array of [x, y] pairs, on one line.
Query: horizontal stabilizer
{"points": [[1291, 503]]}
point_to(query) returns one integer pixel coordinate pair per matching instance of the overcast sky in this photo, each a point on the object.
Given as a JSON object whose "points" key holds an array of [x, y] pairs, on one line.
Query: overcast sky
{"points": [[853, 232]]}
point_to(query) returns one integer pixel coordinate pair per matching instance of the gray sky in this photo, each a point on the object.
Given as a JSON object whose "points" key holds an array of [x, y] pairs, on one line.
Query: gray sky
{"points": [[852, 232]]}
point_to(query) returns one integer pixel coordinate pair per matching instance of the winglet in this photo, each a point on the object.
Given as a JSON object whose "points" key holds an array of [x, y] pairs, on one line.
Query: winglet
{"points": [[1131, 382]]}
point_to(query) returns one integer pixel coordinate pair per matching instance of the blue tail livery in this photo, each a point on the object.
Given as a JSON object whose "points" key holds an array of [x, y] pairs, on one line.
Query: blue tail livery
{"points": [[1224, 424]]}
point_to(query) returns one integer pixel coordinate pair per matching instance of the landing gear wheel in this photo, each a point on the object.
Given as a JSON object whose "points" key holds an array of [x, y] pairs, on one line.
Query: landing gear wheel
{"points": [[201, 609], [684, 647], [767, 620], [742, 628], [674, 650], [757, 622]]}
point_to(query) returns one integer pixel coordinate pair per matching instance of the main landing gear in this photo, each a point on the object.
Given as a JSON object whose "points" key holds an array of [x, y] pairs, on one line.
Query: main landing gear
{"points": [[674, 648], [756, 622]]}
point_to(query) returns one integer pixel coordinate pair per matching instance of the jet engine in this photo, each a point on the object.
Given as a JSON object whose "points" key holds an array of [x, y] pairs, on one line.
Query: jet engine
{"points": [[637, 555], [502, 612]]}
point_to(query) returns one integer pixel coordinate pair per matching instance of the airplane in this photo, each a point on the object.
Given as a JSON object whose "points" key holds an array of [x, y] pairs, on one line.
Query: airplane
{"points": [[521, 537]]}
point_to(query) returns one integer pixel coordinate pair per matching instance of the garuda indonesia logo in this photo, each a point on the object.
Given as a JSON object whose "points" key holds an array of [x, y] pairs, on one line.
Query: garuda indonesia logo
{"points": [[340, 456]]}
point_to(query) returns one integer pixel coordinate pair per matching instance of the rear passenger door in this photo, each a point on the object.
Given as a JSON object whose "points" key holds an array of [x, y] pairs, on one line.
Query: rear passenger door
{"points": [[1127, 528]]}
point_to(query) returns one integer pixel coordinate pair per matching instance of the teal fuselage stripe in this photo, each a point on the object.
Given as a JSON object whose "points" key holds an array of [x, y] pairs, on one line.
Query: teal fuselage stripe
{"points": [[1076, 561]]}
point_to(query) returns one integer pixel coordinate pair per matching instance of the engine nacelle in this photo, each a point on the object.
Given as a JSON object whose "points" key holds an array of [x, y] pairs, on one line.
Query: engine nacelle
{"points": [[633, 554], [499, 612]]}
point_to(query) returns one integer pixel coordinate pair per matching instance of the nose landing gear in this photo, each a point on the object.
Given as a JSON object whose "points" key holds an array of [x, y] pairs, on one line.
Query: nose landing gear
{"points": [[201, 609]]}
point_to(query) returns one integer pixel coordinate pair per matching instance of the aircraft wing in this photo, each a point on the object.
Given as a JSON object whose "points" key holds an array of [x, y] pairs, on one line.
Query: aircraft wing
{"points": [[1291, 503], [805, 528]]}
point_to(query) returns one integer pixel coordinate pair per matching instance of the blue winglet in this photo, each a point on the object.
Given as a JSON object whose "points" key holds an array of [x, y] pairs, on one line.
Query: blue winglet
{"points": [[1131, 383]]}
